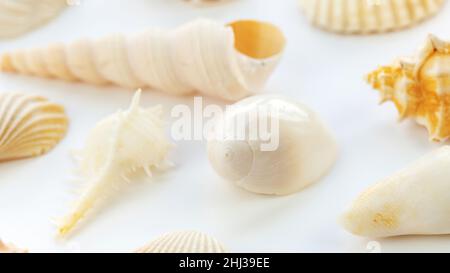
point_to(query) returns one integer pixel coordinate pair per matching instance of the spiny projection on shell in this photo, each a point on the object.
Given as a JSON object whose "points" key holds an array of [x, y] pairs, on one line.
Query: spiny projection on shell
{"points": [[420, 87], [118, 146]]}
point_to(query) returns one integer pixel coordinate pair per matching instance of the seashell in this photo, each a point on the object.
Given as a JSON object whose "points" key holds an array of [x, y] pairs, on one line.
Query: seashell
{"points": [[119, 145], [29, 126], [224, 61], [420, 87], [183, 242], [10, 248], [414, 201], [368, 16], [20, 16], [293, 153]]}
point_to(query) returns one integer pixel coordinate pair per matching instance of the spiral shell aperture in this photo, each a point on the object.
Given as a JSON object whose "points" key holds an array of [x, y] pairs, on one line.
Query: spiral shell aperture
{"points": [[224, 61]]}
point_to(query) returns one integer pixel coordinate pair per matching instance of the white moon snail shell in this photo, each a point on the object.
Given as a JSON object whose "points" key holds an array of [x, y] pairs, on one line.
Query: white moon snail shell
{"points": [[306, 149]]}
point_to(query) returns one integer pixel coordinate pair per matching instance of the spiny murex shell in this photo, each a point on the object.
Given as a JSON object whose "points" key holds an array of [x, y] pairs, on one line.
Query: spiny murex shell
{"points": [[183, 242], [420, 87], [20, 16], [225, 61], [368, 16], [10, 248], [414, 201], [29, 125], [306, 149], [118, 146]]}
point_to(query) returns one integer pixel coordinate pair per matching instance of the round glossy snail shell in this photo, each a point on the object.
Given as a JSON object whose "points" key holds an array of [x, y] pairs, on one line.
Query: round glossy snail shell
{"points": [[302, 149]]}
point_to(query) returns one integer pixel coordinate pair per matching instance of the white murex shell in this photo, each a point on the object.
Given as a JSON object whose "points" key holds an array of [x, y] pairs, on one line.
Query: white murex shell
{"points": [[228, 61], [414, 201], [20, 16], [183, 242], [29, 125], [296, 151], [368, 16], [119, 145]]}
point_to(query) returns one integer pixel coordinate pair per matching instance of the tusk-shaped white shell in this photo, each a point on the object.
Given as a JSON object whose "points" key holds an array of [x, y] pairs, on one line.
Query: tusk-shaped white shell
{"points": [[414, 201]]}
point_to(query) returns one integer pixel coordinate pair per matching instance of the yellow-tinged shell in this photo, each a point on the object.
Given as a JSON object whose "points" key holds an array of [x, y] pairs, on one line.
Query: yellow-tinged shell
{"points": [[29, 125], [420, 87], [183, 242], [10, 248], [368, 16]]}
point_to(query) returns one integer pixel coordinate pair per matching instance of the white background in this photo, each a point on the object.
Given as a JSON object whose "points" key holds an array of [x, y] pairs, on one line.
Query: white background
{"points": [[320, 69]]}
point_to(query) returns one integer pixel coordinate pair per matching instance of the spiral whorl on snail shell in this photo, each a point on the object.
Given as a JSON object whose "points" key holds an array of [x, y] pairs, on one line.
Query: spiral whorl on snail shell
{"points": [[228, 62], [303, 153], [29, 125], [183, 242]]}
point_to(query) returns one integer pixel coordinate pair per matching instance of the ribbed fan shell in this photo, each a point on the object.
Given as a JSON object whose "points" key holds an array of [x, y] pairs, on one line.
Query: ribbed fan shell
{"points": [[29, 125], [183, 242], [368, 16]]}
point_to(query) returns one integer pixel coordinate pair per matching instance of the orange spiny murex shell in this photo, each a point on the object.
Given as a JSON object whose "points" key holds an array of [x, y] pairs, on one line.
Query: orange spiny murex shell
{"points": [[420, 87]]}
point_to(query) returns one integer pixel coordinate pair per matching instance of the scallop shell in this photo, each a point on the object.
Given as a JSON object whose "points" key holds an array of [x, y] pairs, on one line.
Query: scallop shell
{"points": [[420, 87], [20, 16], [29, 125], [368, 16], [183, 242]]}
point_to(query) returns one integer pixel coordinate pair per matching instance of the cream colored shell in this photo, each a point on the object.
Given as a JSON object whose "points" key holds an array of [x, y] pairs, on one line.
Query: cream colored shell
{"points": [[10, 248], [368, 16], [183, 242], [224, 61], [420, 87], [20, 16], [285, 159], [29, 125], [414, 201], [118, 146]]}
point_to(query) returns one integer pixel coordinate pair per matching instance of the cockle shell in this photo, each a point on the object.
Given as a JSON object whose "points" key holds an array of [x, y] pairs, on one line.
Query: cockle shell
{"points": [[224, 61], [293, 153], [183, 242], [118, 146], [420, 87], [29, 125], [20, 16], [368, 16], [10, 248], [414, 201]]}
